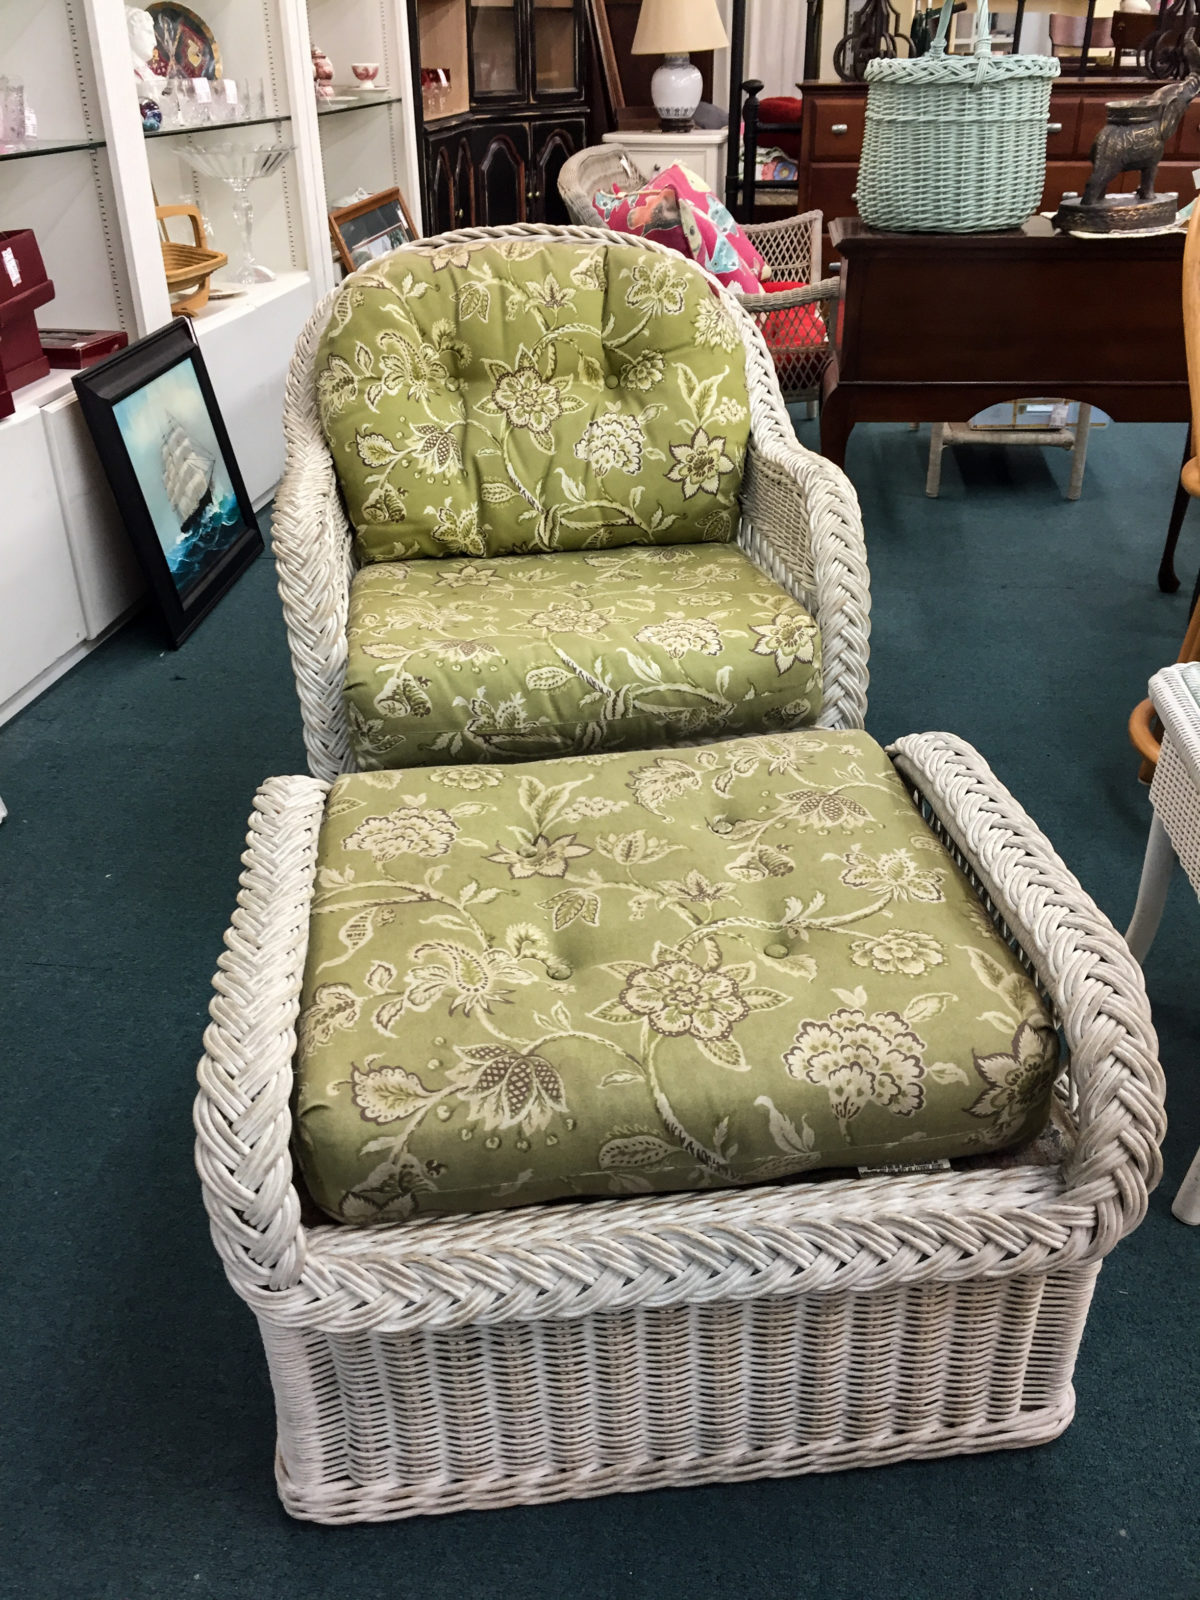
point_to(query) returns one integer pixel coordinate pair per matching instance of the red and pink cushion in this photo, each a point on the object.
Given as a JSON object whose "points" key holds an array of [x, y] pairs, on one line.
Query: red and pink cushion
{"points": [[678, 209]]}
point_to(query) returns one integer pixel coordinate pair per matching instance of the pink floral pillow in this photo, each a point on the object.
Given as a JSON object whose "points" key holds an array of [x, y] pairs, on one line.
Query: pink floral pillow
{"points": [[678, 209]]}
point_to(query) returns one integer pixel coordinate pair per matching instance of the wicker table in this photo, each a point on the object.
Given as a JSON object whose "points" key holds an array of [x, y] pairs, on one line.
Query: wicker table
{"points": [[938, 326], [1174, 833], [583, 1348]]}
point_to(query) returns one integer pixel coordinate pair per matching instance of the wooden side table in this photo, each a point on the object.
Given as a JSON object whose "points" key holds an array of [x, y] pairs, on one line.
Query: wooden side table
{"points": [[939, 326]]}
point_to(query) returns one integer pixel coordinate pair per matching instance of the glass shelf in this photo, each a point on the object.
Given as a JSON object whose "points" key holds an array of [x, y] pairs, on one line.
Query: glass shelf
{"points": [[218, 127], [46, 147], [361, 101]]}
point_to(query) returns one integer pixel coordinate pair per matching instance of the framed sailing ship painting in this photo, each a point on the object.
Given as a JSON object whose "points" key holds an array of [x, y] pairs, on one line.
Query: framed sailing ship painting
{"points": [[158, 430]]}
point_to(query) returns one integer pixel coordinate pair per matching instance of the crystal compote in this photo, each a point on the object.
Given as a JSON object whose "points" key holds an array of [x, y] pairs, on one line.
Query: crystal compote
{"points": [[239, 166]]}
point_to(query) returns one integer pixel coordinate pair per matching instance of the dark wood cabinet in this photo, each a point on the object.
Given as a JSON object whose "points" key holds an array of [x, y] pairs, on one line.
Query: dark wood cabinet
{"points": [[831, 136], [494, 140], [502, 173], [450, 174]]}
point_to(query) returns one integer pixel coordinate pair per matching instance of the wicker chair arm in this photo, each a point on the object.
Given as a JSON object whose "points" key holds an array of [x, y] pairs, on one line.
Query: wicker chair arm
{"points": [[1085, 967], [828, 289], [791, 247], [806, 531], [243, 1109], [312, 544]]}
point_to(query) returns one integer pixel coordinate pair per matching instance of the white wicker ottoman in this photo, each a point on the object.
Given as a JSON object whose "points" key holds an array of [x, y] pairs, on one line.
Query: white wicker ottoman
{"points": [[585, 1348]]}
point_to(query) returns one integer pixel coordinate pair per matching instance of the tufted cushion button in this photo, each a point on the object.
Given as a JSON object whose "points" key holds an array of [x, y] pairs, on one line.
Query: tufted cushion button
{"points": [[452, 385], [559, 971], [723, 826], [611, 380], [776, 951]]}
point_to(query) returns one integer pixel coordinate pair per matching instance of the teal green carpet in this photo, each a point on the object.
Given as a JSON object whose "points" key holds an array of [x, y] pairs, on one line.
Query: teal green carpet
{"points": [[137, 1424]]}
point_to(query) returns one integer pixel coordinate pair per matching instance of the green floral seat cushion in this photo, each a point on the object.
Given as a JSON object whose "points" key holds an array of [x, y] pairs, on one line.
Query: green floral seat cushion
{"points": [[526, 656], [630, 972], [505, 397]]}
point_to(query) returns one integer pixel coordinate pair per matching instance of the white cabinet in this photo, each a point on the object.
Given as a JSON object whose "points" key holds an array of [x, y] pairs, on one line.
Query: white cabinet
{"points": [[41, 619], [88, 188], [703, 150]]}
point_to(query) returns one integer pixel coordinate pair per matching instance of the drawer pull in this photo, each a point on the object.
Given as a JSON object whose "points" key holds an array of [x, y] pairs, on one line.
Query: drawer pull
{"points": [[1054, 127], [840, 127]]}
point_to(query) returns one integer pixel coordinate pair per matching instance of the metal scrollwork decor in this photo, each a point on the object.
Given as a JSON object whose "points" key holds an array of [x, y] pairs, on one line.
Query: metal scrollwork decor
{"points": [[873, 33]]}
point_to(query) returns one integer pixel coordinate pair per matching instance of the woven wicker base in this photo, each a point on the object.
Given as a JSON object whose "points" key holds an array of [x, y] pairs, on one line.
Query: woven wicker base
{"points": [[342, 1503], [523, 1412]]}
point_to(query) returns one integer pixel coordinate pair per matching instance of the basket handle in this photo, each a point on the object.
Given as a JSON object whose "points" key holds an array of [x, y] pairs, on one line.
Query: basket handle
{"points": [[938, 47], [983, 41]]}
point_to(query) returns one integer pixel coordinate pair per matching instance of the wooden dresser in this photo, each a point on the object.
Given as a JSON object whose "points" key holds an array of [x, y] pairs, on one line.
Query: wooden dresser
{"points": [[831, 135]]}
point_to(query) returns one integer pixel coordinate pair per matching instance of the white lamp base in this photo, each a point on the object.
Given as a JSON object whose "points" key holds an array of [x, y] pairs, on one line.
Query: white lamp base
{"points": [[676, 88]]}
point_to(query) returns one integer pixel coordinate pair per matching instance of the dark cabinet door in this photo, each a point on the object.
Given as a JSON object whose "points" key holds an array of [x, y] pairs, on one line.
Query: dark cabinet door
{"points": [[466, 209], [498, 41], [441, 186], [502, 174], [555, 49], [450, 182], [553, 144]]}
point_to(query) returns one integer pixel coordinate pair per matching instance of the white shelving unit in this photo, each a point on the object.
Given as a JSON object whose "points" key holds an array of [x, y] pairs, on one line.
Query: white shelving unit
{"points": [[88, 189]]}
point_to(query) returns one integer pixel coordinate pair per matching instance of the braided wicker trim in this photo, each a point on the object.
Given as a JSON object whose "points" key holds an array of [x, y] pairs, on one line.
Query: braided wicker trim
{"points": [[572, 1260], [802, 527]]}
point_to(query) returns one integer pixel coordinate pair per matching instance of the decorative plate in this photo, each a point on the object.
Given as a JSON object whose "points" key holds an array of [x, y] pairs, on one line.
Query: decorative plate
{"points": [[195, 46]]}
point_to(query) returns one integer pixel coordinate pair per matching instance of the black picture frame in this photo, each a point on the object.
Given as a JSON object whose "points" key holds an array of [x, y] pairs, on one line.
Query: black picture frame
{"points": [[162, 442]]}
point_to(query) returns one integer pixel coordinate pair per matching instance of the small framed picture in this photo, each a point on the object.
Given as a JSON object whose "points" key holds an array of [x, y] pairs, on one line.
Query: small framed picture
{"points": [[371, 227], [154, 419]]}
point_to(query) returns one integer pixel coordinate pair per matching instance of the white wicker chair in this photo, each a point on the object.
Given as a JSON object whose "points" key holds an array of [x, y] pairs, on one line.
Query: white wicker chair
{"points": [[580, 1349], [791, 248], [800, 524]]}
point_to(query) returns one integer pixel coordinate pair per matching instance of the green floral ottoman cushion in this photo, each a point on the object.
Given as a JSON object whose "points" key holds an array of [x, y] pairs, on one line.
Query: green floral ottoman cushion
{"points": [[524, 656], [620, 973], [504, 397]]}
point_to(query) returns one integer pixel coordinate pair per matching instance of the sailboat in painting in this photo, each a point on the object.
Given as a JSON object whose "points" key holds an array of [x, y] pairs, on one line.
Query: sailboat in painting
{"points": [[208, 521]]}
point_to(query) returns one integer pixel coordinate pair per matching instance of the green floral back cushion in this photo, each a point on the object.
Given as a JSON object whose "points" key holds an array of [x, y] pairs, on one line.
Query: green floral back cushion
{"points": [[618, 973], [507, 397]]}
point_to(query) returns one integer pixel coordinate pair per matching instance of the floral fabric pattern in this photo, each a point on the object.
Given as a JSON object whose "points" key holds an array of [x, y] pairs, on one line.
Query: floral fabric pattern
{"points": [[620, 973], [522, 657], [490, 399]]}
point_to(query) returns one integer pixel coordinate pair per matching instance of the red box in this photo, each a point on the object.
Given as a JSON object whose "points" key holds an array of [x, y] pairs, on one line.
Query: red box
{"points": [[77, 348], [24, 287]]}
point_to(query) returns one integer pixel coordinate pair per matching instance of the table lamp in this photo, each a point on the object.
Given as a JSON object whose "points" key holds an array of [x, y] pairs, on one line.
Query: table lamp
{"points": [[671, 28]]}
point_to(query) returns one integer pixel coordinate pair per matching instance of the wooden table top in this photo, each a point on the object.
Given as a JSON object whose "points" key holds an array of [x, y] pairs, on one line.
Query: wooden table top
{"points": [[851, 237]]}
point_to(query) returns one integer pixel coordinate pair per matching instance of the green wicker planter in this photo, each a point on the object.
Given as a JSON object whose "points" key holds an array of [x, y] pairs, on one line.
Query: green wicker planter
{"points": [[954, 144]]}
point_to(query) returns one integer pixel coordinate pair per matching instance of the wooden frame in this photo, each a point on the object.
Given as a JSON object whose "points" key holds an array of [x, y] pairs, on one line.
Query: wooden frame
{"points": [[381, 219], [158, 431]]}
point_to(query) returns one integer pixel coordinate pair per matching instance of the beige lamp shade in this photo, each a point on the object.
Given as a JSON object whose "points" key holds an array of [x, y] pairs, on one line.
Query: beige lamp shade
{"points": [[673, 27]]}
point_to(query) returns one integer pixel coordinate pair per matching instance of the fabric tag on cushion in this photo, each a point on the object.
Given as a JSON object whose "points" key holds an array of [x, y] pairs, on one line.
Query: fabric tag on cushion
{"points": [[512, 396]]}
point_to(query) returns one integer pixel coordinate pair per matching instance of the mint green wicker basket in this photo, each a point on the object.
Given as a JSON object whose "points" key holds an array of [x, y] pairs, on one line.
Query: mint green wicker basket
{"points": [[954, 144]]}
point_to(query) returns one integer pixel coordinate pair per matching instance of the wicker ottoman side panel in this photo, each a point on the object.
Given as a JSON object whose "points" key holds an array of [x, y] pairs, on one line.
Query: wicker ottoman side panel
{"points": [[399, 1424]]}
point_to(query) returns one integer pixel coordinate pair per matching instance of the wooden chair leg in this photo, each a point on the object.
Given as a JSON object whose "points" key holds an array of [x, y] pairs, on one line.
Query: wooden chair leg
{"points": [[1079, 453], [1168, 582], [937, 443]]}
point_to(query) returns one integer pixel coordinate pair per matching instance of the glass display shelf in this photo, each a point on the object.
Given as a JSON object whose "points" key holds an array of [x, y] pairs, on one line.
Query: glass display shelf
{"points": [[192, 128], [46, 147], [360, 100]]}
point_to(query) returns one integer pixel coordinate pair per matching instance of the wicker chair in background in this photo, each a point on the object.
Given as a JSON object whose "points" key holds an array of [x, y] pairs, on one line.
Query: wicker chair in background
{"points": [[800, 525], [791, 248]]}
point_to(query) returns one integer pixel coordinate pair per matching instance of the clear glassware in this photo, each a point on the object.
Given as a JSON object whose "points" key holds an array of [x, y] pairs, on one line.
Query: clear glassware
{"points": [[176, 85], [239, 166]]}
